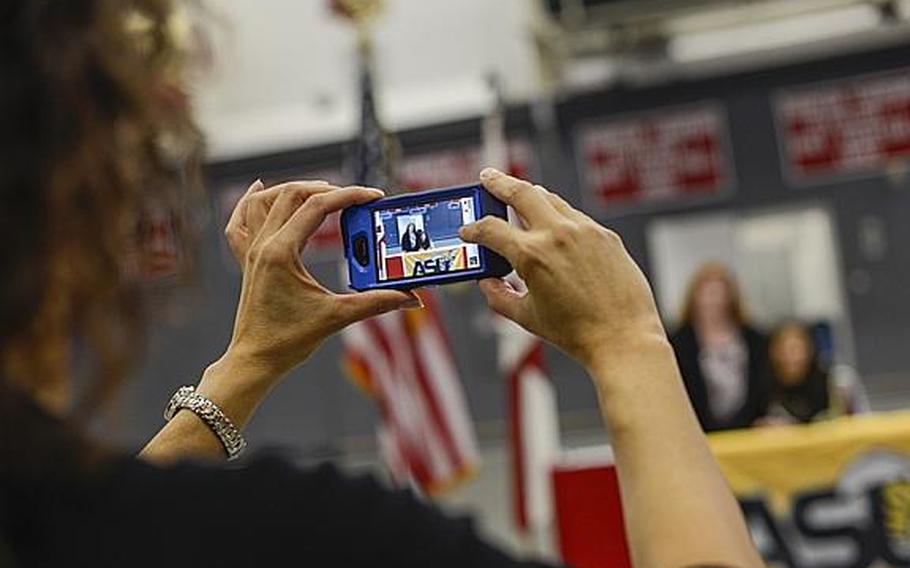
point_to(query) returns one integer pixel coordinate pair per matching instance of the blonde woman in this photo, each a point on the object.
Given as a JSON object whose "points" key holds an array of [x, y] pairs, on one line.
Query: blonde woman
{"points": [[723, 359]]}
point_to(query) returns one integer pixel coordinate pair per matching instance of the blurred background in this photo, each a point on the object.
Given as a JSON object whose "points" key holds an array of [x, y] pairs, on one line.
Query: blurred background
{"points": [[771, 136]]}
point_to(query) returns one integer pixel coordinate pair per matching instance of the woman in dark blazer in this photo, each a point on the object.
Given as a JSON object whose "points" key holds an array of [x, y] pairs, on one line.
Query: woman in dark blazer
{"points": [[723, 360], [410, 241]]}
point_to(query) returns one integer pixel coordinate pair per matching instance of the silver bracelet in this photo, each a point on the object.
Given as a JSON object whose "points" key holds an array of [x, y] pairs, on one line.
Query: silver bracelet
{"points": [[207, 411]]}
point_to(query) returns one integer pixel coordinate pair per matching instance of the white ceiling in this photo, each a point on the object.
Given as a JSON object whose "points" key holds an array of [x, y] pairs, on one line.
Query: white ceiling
{"points": [[285, 74]]}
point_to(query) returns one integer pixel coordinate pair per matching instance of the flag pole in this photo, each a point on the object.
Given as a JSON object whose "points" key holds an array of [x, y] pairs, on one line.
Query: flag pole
{"points": [[403, 360]]}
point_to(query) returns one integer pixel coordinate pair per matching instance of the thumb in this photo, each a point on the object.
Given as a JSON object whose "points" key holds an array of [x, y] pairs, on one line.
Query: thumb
{"points": [[505, 300], [364, 305]]}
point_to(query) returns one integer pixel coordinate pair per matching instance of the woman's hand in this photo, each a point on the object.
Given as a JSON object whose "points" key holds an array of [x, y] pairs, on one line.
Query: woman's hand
{"points": [[284, 314], [585, 294]]}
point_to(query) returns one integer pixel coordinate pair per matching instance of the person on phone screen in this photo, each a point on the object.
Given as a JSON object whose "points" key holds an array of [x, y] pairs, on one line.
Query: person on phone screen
{"points": [[90, 91], [410, 241], [423, 240]]}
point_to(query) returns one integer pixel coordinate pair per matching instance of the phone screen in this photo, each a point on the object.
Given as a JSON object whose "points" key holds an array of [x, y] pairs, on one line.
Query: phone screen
{"points": [[419, 240]]}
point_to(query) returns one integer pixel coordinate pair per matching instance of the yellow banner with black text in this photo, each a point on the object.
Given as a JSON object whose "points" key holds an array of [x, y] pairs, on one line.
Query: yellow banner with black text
{"points": [[431, 262], [833, 494]]}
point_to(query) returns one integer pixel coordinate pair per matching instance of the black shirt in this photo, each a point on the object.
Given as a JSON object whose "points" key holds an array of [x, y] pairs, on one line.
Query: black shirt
{"points": [[685, 344], [266, 513], [126, 512]]}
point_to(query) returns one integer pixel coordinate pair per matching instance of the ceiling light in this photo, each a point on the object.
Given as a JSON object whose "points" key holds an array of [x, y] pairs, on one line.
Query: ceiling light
{"points": [[768, 35]]}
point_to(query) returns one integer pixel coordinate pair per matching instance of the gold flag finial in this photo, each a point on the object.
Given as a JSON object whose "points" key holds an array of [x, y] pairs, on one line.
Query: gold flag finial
{"points": [[362, 13]]}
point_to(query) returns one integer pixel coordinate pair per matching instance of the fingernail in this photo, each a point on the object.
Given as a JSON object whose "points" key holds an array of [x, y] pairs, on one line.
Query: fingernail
{"points": [[414, 303], [490, 173], [464, 231], [257, 185]]}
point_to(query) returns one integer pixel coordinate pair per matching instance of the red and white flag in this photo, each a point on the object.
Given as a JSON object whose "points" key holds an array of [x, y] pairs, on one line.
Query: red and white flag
{"points": [[534, 442], [533, 428], [404, 362]]}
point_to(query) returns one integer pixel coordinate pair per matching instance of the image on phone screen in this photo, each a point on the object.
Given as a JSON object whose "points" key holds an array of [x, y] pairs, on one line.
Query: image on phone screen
{"points": [[422, 240]]}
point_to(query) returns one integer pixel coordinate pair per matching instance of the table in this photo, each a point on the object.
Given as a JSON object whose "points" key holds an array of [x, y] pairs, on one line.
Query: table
{"points": [[833, 494]]}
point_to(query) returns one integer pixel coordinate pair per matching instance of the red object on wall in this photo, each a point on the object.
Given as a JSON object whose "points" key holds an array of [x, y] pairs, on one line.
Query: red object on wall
{"points": [[589, 517], [657, 156], [854, 126], [445, 168], [394, 267]]}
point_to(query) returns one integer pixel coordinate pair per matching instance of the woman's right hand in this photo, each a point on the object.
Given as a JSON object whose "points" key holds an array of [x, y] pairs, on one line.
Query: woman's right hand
{"points": [[585, 294]]}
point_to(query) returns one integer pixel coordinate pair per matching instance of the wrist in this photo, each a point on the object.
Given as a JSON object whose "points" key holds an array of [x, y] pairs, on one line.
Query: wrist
{"points": [[266, 358], [249, 370], [237, 383], [639, 386], [632, 360]]}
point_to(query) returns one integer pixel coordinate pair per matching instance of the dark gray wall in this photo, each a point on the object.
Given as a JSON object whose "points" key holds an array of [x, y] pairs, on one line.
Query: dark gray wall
{"points": [[315, 409]]}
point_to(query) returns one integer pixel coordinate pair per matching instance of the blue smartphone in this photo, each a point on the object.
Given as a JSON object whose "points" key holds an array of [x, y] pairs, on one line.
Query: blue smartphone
{"points": [[410, 241]]}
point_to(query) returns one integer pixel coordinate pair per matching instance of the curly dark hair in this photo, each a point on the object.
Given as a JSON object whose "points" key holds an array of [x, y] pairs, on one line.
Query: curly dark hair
{"points": [[96, 131]]}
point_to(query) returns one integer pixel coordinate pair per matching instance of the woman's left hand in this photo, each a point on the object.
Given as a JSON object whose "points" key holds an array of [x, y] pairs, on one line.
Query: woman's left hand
{"points": [[284, 314]]}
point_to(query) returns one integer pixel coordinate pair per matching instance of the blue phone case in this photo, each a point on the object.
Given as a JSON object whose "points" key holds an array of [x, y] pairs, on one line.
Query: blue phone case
{"points": [[367, 238]]}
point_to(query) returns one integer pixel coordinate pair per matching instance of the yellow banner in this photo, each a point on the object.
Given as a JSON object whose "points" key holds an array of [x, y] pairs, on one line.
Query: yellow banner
{"points": [[837, 490], [438, 261]]}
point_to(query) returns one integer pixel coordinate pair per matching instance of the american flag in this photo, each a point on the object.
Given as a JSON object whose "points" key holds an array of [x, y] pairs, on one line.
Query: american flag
{"points": [[403, 359]]}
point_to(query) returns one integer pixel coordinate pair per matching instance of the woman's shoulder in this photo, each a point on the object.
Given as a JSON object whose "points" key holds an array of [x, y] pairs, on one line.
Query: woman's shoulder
{"points": [[753, 335], [38, 447], [683, 336], [282, 507], [271, 501]]}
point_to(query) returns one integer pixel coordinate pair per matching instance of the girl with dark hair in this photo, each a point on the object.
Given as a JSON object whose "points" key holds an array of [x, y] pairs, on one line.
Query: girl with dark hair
{"points": [[803, 388], [423, 240]]}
